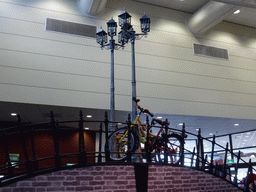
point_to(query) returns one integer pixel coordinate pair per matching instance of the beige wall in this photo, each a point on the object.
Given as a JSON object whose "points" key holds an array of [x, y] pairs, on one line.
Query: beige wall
{"points": [[38, 66]]}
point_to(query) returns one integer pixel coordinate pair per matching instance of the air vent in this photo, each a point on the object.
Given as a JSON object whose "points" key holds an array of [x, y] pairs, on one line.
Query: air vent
{"points": [[70, 28], [210, 51]]}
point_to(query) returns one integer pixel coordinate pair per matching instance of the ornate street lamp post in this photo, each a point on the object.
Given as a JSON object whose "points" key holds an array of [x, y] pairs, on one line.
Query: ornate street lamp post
{"points": [[127, 33], [102, 38]]}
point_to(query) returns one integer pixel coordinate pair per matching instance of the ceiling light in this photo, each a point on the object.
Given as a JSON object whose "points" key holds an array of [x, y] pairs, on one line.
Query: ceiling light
{"points": [[247, 136], [248, 133], [89, 116], [237, 11], [236, 124], [86, 128], [13, 114], [252, 156], [245, 140], [210, 133], [181, 124], [159, 117]]}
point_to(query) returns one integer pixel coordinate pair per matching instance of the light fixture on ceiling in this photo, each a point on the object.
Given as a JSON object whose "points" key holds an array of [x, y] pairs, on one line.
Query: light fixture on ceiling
{"points": [[252, 156], [86, 128], [181, 124], [237, 11], [13, 114], [159, 117], [236, 124], [89, 116]]}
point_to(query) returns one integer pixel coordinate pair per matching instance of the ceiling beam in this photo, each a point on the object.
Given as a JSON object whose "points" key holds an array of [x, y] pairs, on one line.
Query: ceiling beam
{"points": [[91, 7], [210, 15]]}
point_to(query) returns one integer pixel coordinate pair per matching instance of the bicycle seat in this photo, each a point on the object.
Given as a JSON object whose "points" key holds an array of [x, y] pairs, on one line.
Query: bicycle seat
{"points": [[136, 100], [161, 122]]}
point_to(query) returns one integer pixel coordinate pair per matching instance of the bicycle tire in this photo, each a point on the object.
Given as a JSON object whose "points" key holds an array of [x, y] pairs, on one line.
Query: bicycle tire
{"points": [[173, 157], [119, 148]]}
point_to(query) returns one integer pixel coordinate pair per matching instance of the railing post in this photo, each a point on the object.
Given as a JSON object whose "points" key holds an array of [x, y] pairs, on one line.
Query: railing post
{"points": [[23, 141], [247, 177], [225, 162], [82, 158], [192, 158], [100, 144], [204, 162], [236, 168], [129, 152], [231, 146], [199, 150], [10, 167], [35, 162], [183, 141], [211, 164], [148, 153], [107, 152], [166, 144], [197, 153], [55, 132]]}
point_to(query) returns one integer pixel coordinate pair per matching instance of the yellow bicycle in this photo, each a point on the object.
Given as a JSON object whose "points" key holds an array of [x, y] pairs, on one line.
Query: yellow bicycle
{"points": [[157, 147]]}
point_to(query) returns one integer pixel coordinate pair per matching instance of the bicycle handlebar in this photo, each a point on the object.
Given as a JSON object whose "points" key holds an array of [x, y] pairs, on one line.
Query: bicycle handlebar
{"points": [[143, 110]]}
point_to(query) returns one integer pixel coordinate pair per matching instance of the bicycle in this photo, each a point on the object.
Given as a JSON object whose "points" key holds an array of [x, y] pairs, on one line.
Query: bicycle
{"points": [[118, 140]]}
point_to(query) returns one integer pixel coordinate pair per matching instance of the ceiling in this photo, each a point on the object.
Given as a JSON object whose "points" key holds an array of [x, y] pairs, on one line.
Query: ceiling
{"points": [[247, 15]]}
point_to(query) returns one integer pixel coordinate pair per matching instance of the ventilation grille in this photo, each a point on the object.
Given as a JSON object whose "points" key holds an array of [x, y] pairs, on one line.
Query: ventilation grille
{"points": [[70, 28], [210, 51]]}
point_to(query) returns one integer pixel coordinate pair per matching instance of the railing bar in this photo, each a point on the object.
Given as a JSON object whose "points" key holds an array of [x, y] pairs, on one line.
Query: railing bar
{"points": [[82, 159], [10, 167], [107, 152], [35, 163], [55, 133], [100, 144], [25, 150], [129, 155]]}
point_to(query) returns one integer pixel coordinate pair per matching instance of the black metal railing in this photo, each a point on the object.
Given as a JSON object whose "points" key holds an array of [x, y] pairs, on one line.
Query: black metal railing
{"points": [[195, 157]]}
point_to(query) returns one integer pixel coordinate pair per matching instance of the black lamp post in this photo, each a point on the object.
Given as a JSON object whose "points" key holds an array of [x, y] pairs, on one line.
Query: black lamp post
{"points": [[101, 38], [127, 33]]}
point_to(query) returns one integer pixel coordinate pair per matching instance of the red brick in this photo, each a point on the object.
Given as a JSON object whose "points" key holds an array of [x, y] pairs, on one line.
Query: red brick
{"points": [[71, 183], [81, 178], [97, 182], [120, 182], [24, 189], [110, 177], [40, 184], [55, 178], [55, 188], [84, 188]]}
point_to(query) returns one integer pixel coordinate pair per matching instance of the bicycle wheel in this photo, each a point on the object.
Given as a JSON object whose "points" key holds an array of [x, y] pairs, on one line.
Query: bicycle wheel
{"points": [[118, 144], [174, 149]]}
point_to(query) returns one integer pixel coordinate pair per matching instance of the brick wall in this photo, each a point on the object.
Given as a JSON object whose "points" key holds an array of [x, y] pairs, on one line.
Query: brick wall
{"points": [[95, 178], [178, 179], [121, 178]]}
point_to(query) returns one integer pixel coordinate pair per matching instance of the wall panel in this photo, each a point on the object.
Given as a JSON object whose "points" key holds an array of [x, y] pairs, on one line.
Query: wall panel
{"points": [[39, 66]]}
